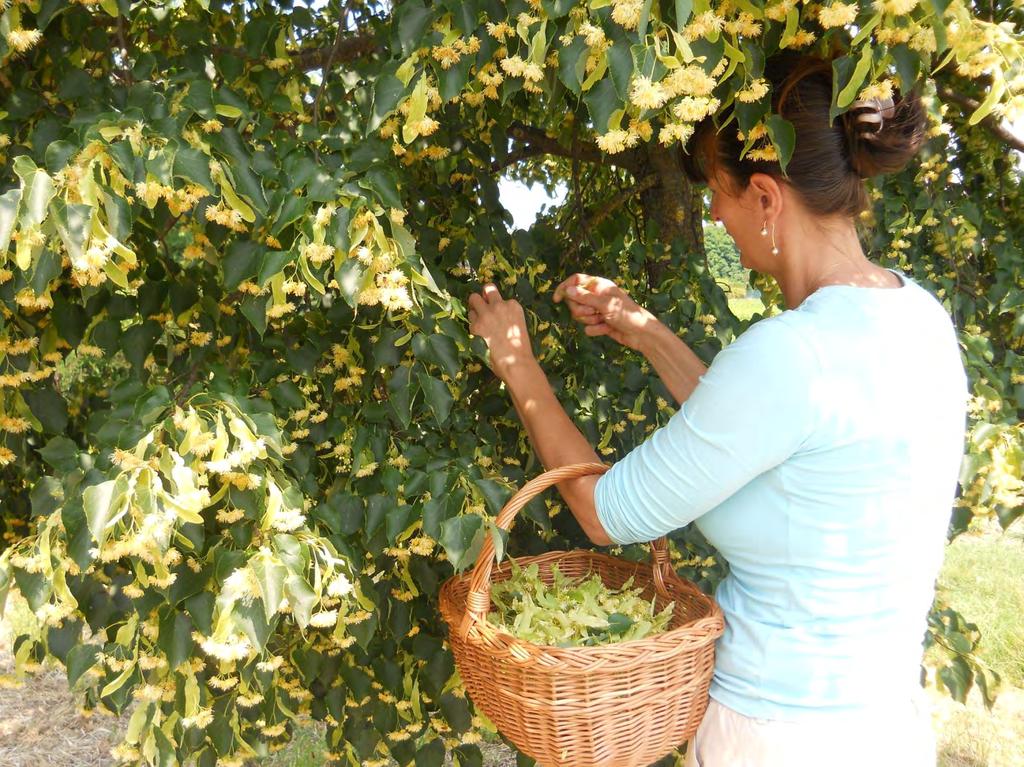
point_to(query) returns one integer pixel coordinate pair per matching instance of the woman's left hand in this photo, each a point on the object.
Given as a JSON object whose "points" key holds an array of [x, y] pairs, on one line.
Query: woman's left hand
{"points": [[502, 325]]}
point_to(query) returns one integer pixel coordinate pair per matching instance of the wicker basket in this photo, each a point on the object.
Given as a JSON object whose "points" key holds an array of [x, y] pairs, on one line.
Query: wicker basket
{"points": [[625, 704]]}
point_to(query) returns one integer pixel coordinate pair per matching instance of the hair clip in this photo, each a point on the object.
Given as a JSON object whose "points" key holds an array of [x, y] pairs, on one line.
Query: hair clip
{"points": [[871, 112]]}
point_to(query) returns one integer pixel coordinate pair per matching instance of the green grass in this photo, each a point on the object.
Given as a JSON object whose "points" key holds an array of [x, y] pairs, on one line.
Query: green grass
{"points": [[745, 308], [306, 749], [983, 578]]}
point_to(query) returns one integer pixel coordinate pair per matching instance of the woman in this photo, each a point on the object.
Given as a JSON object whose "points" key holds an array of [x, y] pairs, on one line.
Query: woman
{"points": [[818, 453]]}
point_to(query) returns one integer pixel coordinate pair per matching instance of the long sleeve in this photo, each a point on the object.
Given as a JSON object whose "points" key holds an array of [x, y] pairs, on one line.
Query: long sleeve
{"points": [[752, 410]]}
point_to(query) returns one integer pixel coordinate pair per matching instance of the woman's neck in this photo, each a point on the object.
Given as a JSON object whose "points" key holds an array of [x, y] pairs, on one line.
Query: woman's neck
{"points": [[814, 257]]}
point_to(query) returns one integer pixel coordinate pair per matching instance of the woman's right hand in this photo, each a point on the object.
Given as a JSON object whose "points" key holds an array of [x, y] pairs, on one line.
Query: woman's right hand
{"points": [[605, 309]]}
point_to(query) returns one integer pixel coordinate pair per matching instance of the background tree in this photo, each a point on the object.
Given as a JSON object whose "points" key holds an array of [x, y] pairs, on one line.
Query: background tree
{"points": [[236, 240], [724, 259]]}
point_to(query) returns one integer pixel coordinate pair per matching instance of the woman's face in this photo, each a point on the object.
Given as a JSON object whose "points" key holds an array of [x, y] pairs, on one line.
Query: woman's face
{"points": [[738, 212]]}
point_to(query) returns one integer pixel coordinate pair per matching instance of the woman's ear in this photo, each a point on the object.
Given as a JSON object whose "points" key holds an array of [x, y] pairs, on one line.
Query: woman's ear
{"points": [[767, 192]]}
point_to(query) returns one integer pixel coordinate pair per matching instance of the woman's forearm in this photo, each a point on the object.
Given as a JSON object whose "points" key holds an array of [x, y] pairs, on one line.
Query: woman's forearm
{"points": [[676, 364], [557, 441]]}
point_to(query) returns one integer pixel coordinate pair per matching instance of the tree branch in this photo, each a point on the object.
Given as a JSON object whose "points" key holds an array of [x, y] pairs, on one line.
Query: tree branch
{"points": [[992, 124], [343, 49], [614, 204], [323, 83], [538, 142]]}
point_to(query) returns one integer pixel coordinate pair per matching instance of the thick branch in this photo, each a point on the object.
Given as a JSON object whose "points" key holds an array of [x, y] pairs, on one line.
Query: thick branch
{"points": [[538, 142], [343, 50], [307, 59], [993, 124]]}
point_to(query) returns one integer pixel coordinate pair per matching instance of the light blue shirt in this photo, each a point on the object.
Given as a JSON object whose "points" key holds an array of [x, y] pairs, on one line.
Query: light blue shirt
{"points": [[819, 454]]}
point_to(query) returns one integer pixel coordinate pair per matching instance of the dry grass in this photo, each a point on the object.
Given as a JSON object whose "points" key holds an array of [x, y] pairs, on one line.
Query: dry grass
{"points": [[40, 725], [970, 736]]}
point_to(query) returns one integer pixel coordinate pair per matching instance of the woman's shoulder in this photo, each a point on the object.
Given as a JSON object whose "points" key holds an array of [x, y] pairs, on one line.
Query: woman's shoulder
{"points": [[785, 338]]}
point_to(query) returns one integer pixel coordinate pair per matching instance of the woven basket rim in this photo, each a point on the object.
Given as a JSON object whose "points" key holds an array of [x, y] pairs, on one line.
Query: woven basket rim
{"points": [[490, 635]]}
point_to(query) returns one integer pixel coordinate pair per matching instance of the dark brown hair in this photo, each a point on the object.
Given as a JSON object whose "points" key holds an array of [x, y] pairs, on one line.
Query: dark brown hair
{"points": [[829, 162]]}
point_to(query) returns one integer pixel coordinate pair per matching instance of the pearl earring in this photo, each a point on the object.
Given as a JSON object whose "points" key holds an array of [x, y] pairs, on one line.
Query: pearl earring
{"points": [[764, 228], [775, 250]]}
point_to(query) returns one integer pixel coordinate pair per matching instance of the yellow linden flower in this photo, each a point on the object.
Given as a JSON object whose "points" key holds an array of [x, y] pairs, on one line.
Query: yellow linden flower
{"points": [[613, 142], [880, 91], [626, 13], [895, 7], [688, 81], [22, 40], [753, 92], [837, 15], [673, 132], [703, 25], [692, 109], [646, 94], [593, 34]]}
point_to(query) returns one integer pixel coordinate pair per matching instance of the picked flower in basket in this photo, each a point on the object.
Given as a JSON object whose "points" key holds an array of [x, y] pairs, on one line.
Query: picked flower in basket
{"points": [[623, 703]]}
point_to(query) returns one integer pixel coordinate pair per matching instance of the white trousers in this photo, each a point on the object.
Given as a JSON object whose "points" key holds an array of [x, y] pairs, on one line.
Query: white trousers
{"points": [[893, 736]]}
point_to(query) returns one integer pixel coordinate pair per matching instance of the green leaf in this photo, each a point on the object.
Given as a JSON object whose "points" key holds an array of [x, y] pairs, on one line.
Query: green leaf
{"points": [[351, 277], [70, 320], [35, 587], [842, 72], [61, 453], [401, 393], [61, 639], [8, 213], [851, 88], [37, 191], [49, 407], [783, 136], [957, 677], [619, 623], [572, 61], [437, 397], [59, 154], [252, 619], [175, 638], [270, 575], [200, 607], [80, 659], [46, 268], [254, 309], [495, 494], [301, 598], [620, 64], [438, 350], [47, 496], [462, 539], [288, 395], [499, 538], [602, 100], [432, 754], [384, 184], [387, 92], [138, 342], [377, 508], [908, 65], [683, 10], [72, 221], [412, 21], [192, 165], [99, 502]]}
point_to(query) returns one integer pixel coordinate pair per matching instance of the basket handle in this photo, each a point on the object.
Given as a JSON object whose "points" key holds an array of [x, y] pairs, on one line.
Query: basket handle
{"points": [[478, 600]]}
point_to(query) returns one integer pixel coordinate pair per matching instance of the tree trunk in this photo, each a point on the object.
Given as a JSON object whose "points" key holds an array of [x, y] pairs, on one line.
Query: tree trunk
{"points": [[674, 203]]}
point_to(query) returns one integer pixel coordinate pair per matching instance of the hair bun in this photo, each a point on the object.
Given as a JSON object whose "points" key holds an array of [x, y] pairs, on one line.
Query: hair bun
{"points": [[882, 135], [869, 116]]}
